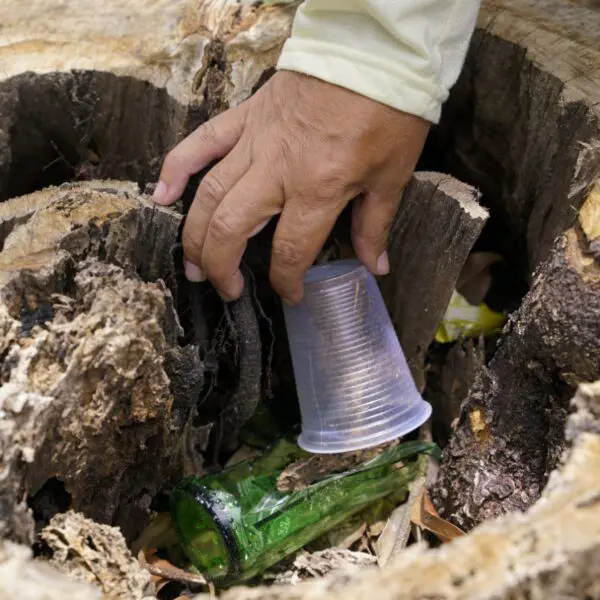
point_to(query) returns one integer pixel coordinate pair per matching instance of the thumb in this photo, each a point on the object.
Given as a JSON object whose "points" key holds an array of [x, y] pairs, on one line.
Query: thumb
{"points": [[212, 140], [372, 217]]}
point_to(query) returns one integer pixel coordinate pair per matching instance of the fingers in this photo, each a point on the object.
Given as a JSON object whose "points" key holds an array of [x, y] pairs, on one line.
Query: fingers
{"points": [[212, 140], [372, 217], [301, 232], [210, 193], [245, 210]]}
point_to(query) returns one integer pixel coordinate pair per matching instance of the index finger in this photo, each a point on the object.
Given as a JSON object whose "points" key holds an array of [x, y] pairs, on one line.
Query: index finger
{"points": [[213, 139]]}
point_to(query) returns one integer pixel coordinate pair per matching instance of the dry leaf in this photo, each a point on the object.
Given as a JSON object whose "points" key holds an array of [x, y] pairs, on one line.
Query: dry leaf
{"points": [[396, 532], [353, 537], [425, 516], [163, 570]]}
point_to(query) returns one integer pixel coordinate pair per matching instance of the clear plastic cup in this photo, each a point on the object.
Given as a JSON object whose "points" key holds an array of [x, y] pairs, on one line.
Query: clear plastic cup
{"points": [[354, 385]]}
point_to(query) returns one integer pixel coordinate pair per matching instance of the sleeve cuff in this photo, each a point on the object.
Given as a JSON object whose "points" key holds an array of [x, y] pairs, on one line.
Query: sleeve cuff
{"points": [[389, 82]]}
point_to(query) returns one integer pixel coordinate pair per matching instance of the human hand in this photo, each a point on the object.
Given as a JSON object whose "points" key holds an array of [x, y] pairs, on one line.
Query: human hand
{"points": [[303, 148]]}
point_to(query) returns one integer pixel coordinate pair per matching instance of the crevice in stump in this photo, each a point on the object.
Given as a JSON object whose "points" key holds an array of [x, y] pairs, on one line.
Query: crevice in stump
{"points": [[84, 125], [510, 433]]}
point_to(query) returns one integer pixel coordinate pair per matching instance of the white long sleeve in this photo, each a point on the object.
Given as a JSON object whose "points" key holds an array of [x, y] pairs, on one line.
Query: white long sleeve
{"points": [[404, 53]]}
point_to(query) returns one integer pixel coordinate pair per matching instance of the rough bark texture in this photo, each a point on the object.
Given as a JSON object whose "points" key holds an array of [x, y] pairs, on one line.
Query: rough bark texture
{"points": [[510, 431], [550, 552], [527, 134], [22, 577], [90, 356], [95, 421], [427, 255], [98, 378]]}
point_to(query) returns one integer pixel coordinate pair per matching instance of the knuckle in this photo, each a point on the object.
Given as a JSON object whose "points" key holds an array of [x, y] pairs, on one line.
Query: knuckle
{"points": [[286, 255], [371, 236], [332, 181], [192, 246], [212, 189], [173, 160], [222, 227], [207, 132]]}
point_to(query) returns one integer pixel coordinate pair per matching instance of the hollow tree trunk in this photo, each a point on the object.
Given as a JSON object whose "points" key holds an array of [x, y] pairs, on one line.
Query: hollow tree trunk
{"points": [[98, 377], [536, 161], [92, 355]]}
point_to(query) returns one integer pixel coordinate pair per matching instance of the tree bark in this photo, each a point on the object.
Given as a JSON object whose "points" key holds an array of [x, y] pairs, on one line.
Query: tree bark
{"points": [[522, 123], [510, 432], [98, 375], [435, 228], [91, 356], [91, 350], [527, 135]]}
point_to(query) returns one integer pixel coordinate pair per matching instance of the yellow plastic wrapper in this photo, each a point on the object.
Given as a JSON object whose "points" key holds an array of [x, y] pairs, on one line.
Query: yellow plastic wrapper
{"points": [[463, 320]]}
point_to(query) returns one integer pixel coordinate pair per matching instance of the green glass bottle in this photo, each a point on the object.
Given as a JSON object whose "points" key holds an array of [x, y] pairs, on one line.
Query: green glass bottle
{"points": [[235, 524]]}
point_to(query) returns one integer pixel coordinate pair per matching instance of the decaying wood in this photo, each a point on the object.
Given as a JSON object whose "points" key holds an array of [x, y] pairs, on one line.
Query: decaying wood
{"points": [[523, 122], [95, 554], [533, 149], [510, 432], [303, 473], [23, 577], [551, 551], [321, 563], [91, 358], [95, 90], [434, 230]]}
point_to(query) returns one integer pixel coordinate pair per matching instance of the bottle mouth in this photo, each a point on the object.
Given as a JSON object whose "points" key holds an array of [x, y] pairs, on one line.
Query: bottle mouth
{"points": [[205, 530]]}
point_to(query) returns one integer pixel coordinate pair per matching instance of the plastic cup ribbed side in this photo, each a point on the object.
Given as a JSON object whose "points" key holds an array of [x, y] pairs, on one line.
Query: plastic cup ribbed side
{"points": [[354, 386]]}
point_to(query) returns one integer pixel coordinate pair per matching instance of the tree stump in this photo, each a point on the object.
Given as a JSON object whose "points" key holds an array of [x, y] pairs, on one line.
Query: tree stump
{"points": [[510, 433], [99, 377], [91, 356], [535, 180]]}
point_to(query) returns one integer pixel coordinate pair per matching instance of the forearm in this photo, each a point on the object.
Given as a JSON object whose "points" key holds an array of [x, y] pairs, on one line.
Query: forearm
{"points": [[403, 53]]}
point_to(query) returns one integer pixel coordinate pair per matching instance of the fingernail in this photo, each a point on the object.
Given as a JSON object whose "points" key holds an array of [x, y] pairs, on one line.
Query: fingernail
{"points": [[383, 264], [160, 193], [235, 289], [224, 296], [193, 272]]}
